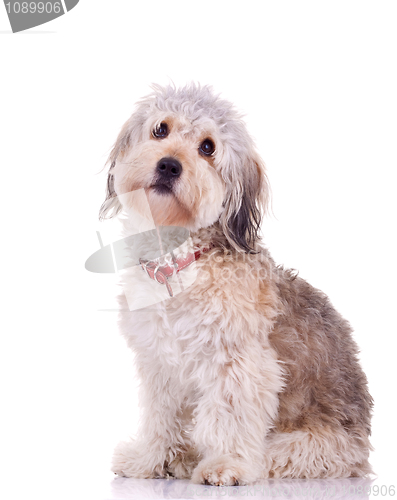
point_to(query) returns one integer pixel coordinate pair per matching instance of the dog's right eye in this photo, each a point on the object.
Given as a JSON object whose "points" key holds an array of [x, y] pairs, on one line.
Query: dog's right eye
{"points": [[161, 131]]}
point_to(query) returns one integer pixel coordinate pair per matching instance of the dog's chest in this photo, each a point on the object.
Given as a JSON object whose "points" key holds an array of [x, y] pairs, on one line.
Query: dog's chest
{"points": [[219, 310]]}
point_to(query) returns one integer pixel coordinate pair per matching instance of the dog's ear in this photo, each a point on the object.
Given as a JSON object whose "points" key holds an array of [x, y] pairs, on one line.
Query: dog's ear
{"points": [[112, 206], [247, 198]]}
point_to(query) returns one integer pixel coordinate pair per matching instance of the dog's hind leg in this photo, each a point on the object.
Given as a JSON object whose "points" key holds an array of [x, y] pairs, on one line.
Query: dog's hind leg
{"points": [[319, 453]]}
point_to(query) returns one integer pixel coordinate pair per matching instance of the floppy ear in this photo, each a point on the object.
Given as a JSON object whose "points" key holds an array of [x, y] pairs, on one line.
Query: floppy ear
{"points": [[246, 201], [112, 206]]}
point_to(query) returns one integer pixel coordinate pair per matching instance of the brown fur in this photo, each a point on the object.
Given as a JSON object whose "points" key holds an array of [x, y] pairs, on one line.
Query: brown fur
{"points": [[326, 385]]}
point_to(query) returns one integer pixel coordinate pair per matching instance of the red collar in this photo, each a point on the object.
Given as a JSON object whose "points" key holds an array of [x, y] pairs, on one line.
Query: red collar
{"points": [[161, 273]]}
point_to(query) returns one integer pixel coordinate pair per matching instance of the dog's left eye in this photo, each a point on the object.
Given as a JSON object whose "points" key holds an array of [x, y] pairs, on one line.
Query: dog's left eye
{"points": [[161, 130], [207, 147]]}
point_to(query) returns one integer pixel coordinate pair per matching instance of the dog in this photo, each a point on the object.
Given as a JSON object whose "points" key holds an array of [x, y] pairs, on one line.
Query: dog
{"points": [[248, 372]]}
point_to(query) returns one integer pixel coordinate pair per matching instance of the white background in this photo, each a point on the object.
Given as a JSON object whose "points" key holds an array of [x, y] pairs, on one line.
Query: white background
{"points": [[317, 82]]}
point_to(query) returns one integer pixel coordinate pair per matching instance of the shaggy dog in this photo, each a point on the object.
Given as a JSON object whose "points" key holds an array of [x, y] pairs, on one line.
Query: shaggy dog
{"points": [[247, 372]]}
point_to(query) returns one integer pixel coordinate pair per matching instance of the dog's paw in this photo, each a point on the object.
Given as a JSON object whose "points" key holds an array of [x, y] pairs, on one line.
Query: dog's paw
{"points": [[226, 470], [132, 460], [183, 465]]}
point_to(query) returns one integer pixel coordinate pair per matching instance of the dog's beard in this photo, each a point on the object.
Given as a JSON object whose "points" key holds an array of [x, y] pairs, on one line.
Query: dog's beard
{"points": [[163, 187], [166, 209], [157, 201]]}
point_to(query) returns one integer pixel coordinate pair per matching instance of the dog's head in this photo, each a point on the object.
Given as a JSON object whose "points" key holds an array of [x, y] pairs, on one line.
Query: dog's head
{"points": [[191, 154]]}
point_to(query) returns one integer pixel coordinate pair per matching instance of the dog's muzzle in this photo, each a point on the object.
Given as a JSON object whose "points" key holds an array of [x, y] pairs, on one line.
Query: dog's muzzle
{"points": [[168, 171]]}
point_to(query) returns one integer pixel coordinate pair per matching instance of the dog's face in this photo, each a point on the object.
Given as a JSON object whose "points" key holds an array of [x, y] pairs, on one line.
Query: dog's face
{"points": [[189, 152], [174, 162]]}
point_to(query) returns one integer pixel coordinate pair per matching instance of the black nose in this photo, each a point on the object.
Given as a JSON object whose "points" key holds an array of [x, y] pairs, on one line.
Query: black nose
{"points": [[169, 168]]}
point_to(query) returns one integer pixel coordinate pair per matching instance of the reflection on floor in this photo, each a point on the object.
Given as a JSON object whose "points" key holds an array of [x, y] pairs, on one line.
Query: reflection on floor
{"points": [[318, 489]]}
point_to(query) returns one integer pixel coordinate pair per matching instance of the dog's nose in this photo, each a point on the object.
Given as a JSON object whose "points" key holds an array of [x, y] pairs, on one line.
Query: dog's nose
{"points": [[169, 168]]}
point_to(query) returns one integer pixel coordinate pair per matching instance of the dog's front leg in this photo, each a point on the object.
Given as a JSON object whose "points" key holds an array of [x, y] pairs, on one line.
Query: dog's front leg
{"points": [[160, 436], [238, 403]]}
